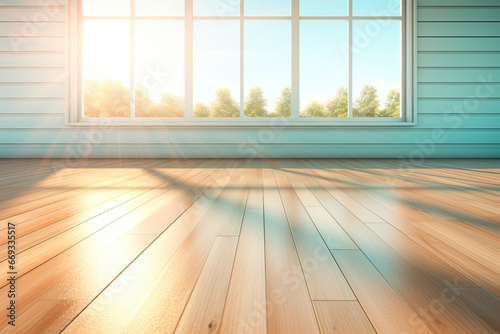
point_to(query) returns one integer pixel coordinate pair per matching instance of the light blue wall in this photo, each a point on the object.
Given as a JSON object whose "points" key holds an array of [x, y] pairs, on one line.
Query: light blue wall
{"points": [[458, 115]]}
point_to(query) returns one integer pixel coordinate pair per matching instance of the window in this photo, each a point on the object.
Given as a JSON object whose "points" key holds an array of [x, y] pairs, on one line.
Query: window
{"points": [[242, 62]]}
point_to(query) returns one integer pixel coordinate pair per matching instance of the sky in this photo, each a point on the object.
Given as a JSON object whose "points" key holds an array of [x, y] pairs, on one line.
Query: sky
{"points": [[159, 50], [216, 62], [232, 7]]}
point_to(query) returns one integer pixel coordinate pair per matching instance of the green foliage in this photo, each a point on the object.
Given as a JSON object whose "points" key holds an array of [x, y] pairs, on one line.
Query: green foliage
{"points": [[111, 98], [339, 105], [201, 110], [367, 103], [169, 106], [106, 98], [392, 104], [255, 103], [224, 104], [284, 104], [142, 101], [314, 109]]}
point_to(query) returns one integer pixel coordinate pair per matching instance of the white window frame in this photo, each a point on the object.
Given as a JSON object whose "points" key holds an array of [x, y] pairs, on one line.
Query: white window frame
{"points": [[408, 91]]}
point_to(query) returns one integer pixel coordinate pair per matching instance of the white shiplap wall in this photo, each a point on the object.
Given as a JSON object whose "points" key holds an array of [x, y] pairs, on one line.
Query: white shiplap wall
{"points": [[458, 44]]}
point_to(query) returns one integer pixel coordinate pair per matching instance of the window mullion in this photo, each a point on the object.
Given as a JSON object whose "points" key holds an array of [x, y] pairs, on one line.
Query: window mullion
{"points": [[295, 59], [350, 42], [132, 58], [403, 95], [242, 59], [188, 99], [79, 63]]}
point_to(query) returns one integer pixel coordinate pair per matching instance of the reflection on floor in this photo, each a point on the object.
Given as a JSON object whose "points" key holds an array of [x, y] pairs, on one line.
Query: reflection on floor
{"points": [[253, 246]]}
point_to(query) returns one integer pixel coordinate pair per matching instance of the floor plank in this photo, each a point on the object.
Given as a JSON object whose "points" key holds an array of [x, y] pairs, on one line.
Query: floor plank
{"points": [[342, 317], [47, 316], [164, 298], [144, 271], [386, 310], [253, 246], [245, 308], [333, 234], [286, 289], [203, 312], [323, 276]]}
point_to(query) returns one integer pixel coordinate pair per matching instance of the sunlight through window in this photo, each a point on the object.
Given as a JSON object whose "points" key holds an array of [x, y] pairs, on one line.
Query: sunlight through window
{"points": [[304, 60]]}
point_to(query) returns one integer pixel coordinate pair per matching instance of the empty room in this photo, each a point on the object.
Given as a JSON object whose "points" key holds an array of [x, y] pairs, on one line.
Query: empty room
{"points": [[250, 166]]}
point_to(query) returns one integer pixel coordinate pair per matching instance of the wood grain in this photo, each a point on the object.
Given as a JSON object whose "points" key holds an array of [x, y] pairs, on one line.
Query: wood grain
{"points": [[342, 317], [253, 246], [286, 289], [203, 312], [245, 308]]}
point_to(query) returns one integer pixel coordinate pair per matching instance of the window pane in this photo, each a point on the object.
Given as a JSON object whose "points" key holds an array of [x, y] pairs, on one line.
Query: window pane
{"points": [[216, 7], [377, 8], [159, 69], [106, 68], [324, 63], [216, 87], [159, 7], [323, 8], [106, 8], [268, 8], [376, 68], [267, 68]]}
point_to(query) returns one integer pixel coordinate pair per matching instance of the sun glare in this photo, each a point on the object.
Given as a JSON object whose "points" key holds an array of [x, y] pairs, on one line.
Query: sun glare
{"points": [[106, 50]]}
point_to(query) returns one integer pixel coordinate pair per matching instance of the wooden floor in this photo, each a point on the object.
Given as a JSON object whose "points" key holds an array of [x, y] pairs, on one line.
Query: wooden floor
{"points": [[252, 246]]}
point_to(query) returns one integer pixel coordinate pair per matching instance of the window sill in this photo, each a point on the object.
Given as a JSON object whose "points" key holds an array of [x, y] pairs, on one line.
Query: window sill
{"points": [[239, 123]]}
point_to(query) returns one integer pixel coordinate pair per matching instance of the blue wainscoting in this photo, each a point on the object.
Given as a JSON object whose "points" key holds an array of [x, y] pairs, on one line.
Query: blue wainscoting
{"points": [[458, 100]]}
